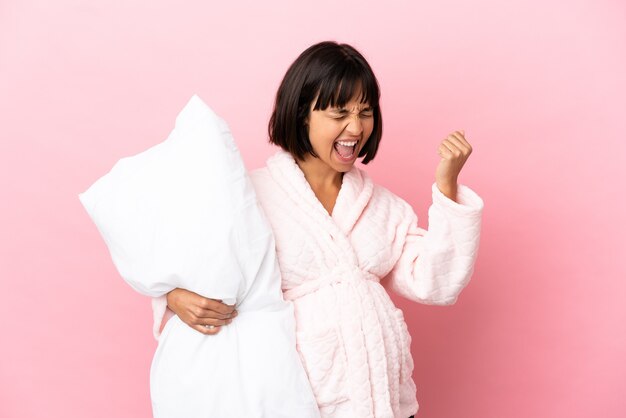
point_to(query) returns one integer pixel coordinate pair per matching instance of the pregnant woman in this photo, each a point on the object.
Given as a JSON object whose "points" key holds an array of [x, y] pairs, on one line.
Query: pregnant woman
{"points": [[342, 240]]}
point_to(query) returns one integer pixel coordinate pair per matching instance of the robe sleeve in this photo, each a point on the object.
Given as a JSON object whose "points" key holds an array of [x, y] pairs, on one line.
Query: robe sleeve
{"points": [[436, 264], [161, 314]]}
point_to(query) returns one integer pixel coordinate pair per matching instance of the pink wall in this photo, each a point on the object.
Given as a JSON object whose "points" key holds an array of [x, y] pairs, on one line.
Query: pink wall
{"points": [[538, 87]]}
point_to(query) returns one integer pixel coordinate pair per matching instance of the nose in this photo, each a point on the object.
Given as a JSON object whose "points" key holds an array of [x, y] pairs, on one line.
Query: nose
{"points": [[355, 127]]}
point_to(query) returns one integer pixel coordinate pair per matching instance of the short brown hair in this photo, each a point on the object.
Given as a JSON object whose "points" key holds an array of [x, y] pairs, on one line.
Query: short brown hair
{"points": [[330, 72]]}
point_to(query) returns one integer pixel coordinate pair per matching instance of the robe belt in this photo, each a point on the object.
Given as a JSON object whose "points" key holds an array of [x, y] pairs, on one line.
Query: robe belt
{"points": [[360, 347], [340, 273]]}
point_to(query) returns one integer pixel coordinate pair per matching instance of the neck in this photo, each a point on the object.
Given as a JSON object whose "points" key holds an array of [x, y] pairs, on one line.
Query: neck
{"points": [[318, 174]]}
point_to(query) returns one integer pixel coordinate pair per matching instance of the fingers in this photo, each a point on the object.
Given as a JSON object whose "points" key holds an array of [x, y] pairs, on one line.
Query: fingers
{"points": [[455, 145], [459, 140], [205, 330], [200, 312], [210, 304], [444, 151], [197, 311], [210, 326], [200, 307], [214, 322], [217, 306]]}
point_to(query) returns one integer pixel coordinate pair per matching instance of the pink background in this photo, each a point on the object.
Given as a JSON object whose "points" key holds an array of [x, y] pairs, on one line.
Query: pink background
{"points": [[538, 86]]}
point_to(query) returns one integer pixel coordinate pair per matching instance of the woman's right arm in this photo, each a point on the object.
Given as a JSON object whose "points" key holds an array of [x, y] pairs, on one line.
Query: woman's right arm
{"points": [[193, 309]]}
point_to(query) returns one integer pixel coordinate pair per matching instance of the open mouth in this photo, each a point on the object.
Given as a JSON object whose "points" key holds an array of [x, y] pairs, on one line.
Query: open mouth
{"points": [[346, 150]]}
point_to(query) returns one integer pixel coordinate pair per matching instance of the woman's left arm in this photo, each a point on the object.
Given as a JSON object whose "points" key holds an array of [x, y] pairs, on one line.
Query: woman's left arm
{"points": [[436, 264]]}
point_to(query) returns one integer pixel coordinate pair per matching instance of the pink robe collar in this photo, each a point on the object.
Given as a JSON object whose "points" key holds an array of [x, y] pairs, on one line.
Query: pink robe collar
{"points": [[354, 195]]}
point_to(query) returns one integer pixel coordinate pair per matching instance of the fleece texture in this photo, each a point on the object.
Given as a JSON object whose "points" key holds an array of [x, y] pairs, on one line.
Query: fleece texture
{"points": [[336, 269]]}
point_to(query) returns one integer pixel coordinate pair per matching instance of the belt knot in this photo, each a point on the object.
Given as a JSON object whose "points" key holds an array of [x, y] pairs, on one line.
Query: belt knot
{"points": [[342, 272]]}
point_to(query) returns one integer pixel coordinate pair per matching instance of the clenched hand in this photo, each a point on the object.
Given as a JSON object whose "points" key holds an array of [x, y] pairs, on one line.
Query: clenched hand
{"points": [[199, 312], [454, 152]]}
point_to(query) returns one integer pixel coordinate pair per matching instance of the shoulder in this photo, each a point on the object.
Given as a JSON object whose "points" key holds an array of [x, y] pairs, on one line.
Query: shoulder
{"points": [[259, 172], [263, 183], [394, 206], [260, 175]]}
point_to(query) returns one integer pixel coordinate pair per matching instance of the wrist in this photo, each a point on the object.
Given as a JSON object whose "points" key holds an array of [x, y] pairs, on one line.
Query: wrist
{"points": [[169, 297], [449, 190]]}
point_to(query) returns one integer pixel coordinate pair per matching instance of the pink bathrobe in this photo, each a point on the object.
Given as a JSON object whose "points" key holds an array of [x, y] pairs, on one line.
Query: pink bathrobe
{"points": [[352, 340]]}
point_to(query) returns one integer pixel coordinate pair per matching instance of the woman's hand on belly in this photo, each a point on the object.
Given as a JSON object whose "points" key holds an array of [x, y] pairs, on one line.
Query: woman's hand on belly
{"points": [[202, 314]]}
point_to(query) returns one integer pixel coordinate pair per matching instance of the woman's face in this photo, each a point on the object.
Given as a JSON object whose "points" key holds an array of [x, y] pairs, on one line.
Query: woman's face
{"points": [[338, 134]]}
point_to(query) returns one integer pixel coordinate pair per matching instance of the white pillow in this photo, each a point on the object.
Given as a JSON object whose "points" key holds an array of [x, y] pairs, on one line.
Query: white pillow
{"points": [[169, 214], [184, 213]]}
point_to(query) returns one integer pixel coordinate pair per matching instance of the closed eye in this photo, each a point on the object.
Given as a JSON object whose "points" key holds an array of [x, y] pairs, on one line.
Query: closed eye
{"points": [[342, 113], [339, 114]]}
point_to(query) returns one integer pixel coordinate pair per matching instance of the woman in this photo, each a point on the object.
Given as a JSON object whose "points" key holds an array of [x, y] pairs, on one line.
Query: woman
{"points": [[339, 238]]}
